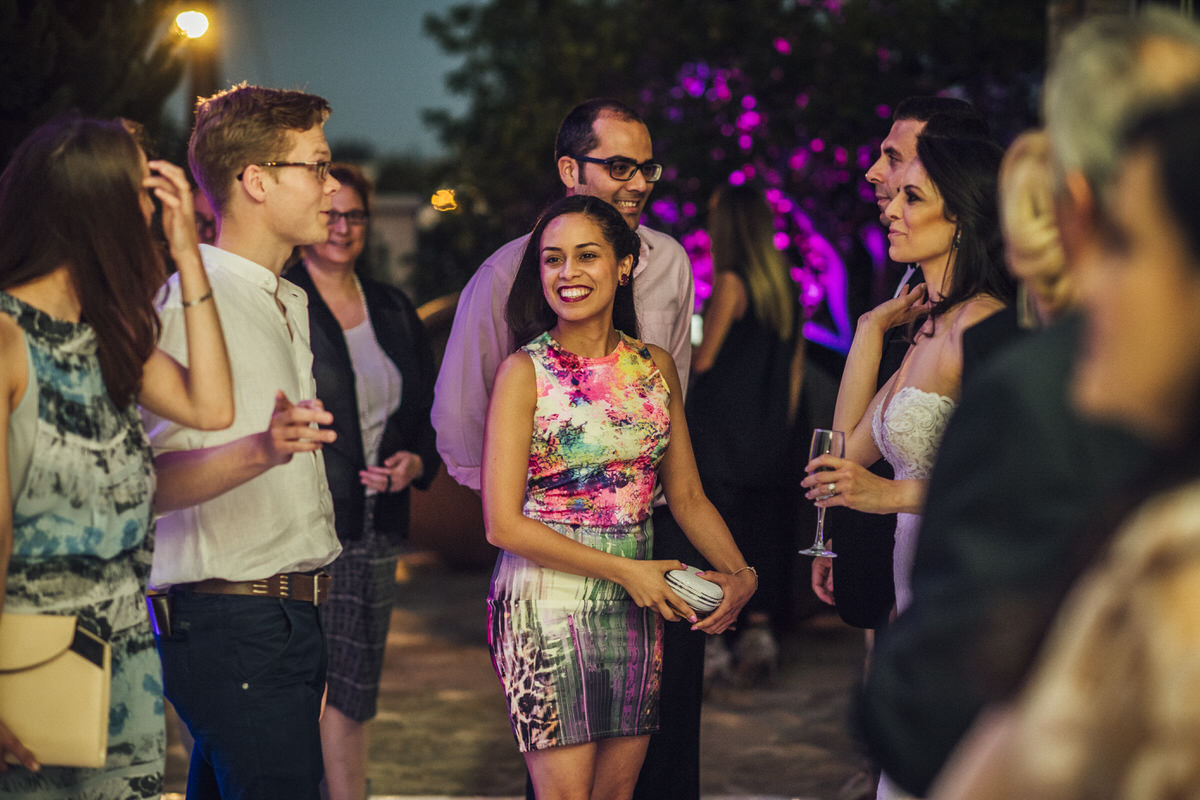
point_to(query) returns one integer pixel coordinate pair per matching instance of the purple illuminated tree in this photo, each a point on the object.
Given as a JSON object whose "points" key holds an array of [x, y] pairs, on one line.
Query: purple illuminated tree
{"points": [[794, 95]]}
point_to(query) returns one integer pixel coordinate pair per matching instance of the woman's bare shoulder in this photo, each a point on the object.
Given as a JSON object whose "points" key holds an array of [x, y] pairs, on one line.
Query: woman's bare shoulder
{"points": [[515, 366], [13, 367], [974, 310]]}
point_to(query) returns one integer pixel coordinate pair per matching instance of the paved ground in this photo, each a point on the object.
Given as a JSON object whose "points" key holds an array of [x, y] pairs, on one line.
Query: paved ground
{"points": [[442, 729]]}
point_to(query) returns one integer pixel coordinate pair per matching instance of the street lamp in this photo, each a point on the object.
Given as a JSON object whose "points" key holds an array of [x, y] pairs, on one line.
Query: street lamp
{"points": [[195, 24], [192, 24]]}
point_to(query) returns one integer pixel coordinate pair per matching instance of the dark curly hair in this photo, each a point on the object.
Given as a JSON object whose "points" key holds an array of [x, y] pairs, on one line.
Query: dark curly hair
{"points": [[527, 313]]}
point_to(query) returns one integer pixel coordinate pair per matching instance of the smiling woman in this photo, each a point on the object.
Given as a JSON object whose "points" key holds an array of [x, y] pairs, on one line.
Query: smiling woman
{"points": [[584, 420]]}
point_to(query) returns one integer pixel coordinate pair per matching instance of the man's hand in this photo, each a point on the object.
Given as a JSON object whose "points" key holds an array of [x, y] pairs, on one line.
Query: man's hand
{"points": [[293, 429], [822, 577]]}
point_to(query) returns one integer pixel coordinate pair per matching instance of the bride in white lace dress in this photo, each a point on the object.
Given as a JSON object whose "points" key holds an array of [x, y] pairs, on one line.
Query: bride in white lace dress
{"points": [[944, 219]]}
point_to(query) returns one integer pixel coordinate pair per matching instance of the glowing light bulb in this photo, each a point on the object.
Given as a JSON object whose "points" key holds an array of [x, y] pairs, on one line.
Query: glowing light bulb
{"points": [[443, 200], [193, 24]]}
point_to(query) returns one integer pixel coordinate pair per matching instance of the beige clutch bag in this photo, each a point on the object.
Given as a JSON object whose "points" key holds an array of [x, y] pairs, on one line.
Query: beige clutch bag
{"points": [[54, 686]]}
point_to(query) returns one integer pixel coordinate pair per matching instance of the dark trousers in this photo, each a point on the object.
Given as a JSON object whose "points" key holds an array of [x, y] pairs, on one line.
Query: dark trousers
{"points": [[246, 675], [672, 767]]}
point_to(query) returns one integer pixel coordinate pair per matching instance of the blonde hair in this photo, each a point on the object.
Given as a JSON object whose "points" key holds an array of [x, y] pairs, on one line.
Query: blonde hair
{"points": [[1029, 227], [742, 229]]}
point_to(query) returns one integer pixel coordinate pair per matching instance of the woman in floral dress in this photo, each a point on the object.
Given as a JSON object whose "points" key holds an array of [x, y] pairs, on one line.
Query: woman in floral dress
{"points": [[584, 420]]}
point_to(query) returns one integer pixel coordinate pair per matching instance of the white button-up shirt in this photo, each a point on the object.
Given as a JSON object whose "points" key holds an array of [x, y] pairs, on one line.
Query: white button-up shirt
{"points": [[663, 294], [282, 520]]}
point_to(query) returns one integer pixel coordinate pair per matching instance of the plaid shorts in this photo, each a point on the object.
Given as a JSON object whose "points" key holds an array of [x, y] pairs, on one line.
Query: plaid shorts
{"points": [[356, 619]]}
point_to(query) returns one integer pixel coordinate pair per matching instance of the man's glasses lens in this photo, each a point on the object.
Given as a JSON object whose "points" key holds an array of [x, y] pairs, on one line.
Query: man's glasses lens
{"points": [[623, 169], [319, 168], [355, 216]]}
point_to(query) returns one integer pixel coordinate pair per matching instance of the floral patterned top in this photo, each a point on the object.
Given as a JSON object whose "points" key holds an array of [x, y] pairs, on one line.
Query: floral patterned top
{"points": [[600, 429]]}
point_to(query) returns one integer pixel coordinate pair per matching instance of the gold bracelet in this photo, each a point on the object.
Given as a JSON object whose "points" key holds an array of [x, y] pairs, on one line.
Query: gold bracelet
{"points": [[735, 573], [206, 296]]}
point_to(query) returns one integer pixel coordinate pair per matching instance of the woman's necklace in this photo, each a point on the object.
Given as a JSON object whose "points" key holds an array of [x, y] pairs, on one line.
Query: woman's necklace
{"points": [[362, 297]]}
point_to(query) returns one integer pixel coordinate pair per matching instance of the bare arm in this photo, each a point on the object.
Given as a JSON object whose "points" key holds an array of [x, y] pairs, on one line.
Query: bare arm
{"points": [[200, 395], [506, 446], [727, 304], [14, 373], [861, 489], [189, 477], [13, 378], [696, 515]]}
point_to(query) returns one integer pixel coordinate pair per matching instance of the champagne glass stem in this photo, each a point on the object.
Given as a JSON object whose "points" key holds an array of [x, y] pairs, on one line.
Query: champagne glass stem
{"points": [[819, 543]]}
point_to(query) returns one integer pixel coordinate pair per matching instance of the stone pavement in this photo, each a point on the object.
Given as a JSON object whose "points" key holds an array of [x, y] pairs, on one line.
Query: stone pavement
{"points": [[442, 731]]}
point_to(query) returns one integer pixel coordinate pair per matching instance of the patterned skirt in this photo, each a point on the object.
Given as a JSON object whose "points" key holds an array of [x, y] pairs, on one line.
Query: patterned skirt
{"points": [[577, 659]]}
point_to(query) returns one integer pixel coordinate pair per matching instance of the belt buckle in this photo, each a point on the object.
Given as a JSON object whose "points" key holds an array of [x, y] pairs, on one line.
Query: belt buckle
{"points": [[316, 588]]}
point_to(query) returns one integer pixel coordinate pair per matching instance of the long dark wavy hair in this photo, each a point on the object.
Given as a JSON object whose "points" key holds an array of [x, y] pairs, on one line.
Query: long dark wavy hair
{"points": [[70, 196], [527, 313], [965, 172]]}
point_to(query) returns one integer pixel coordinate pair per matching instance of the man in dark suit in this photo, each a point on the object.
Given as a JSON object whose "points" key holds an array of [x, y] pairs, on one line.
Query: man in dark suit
{"points": [[1019, 474], [863, 569]]}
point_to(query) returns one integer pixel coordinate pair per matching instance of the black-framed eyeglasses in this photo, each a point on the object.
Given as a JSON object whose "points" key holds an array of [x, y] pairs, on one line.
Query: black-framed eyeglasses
{"points": [[623, 169], [355, 217], [321, 168]]}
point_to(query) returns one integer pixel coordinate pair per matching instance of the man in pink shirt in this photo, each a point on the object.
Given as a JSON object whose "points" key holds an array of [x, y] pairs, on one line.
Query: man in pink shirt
{"points": [[603, 148]]}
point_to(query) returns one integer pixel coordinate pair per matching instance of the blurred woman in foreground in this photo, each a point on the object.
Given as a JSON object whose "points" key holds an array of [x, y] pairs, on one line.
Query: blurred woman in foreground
{"points": [[78, 276], [1110, 710]]}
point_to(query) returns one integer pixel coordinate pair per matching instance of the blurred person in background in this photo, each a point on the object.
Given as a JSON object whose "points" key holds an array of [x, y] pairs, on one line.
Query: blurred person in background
{"points": [[741, 412], [373, 364]]}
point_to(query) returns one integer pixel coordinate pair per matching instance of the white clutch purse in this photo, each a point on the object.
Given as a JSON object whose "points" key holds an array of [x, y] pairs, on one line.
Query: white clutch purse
{"points": [[54, 688], [703, 596]]}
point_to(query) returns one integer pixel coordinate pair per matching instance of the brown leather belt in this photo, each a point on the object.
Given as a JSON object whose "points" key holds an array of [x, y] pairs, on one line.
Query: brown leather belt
{"points": [[306, 587]]}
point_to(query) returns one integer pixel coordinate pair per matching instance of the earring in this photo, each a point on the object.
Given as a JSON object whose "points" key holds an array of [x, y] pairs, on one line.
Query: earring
{"points": [[957, 238], [624, 280]]}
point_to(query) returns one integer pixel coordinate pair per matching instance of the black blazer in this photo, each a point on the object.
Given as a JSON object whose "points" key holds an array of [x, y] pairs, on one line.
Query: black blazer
{"points": [[400, 333], [1008, 526]]}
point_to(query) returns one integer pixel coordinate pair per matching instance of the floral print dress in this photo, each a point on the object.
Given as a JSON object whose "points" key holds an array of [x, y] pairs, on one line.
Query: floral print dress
{"points": [[577, 659]]}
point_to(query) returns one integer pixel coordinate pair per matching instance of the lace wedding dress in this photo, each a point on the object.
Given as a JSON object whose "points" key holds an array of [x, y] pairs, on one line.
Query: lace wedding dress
{"points": [[908, 431]]}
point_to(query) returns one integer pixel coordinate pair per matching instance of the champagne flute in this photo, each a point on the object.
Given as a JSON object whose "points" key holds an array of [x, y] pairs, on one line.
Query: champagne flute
{"points": [[834, 443]]}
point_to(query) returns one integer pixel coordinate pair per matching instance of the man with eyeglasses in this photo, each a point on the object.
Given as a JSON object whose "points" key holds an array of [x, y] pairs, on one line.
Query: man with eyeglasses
{"points": [[603, 149], [247, 521]]}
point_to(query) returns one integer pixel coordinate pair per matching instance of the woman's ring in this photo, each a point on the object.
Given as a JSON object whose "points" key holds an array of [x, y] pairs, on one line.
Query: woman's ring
{"points": [[832, 488]]}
